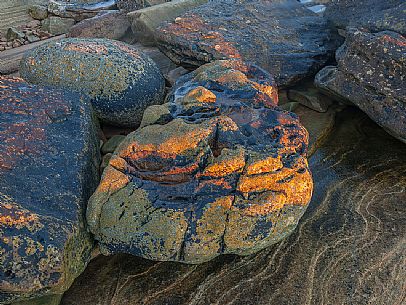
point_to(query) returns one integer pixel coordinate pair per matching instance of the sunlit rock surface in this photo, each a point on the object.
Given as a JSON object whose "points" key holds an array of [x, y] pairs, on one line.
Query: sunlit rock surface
{"points": [[223, 171], [48, 169], [282, 36], [348, 248], [370, 73], [120, 79]]}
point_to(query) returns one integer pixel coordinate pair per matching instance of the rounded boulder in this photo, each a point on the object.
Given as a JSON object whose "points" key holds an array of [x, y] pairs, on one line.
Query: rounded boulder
{"points": [[120, 80]]}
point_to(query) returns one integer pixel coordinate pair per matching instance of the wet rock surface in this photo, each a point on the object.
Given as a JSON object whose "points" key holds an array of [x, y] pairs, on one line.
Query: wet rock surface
{"points": [[48, 169], [375, 15], [283, 37], [223, 170], [347, 249], [120, 80], [370, 73]]}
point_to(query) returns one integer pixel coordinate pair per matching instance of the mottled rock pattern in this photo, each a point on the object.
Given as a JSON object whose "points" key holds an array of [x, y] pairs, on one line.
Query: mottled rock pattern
{"points": [[121, 80], [282, 36], [375, 15], [48, 169], [15, 13], [38, 12], [108, 24], [349, 247], [57, 25], [145, 21], [371, 73], [132, 5], [112, 143], [79, 10], [225, 173]]}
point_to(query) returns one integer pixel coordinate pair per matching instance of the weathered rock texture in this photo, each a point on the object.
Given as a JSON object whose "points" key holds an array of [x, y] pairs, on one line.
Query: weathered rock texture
{"points": [[375, 15], [227, 174], [370, 73], [144, 22], [120, 80], [132, 5], [108, 24], [48, 169], [349, 247], [15, 12], [282, 36]]}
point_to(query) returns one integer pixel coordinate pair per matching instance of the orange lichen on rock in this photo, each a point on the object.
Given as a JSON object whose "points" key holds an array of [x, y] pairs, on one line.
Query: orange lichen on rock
{"points": [[86, 48], [228, 160], [200, 94]]}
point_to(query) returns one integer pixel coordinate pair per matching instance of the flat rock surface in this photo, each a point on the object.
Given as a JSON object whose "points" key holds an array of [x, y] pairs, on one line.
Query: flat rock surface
{"points": [[370, 73], [48, 169], [223, 170], [349, 247], [281, 36]]}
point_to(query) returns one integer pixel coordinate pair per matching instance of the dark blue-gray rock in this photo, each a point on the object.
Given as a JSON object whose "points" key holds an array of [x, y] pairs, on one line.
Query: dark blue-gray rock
{"points": [[283, 37], [375, 15], [48, 169], [370, 73], [120, 80]]}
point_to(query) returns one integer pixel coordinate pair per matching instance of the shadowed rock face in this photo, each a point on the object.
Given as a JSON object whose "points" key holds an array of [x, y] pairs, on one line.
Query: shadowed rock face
{"points": [[347, 249], [226, 172], [370, 73], [48, 169], [120, 80], [284, 37]]}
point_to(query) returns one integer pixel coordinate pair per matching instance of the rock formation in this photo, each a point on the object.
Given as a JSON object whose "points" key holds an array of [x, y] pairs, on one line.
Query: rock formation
{"points": [[375, 15], [120, 80], [348, 247], [370, 73], [48, 169], [223, 170], [283, 37]]}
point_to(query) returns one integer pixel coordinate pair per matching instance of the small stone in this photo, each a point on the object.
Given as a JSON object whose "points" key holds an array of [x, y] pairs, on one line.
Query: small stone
{"points": [[33, 38], [16, 44], [38, 12], [2, 48], [111, 144], [57, 25], [13, 33]]}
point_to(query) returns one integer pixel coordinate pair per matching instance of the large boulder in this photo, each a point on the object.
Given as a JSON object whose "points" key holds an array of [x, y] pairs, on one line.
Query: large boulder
{"points": [[375, 15], [348, 248], [370, 73], [48, 169], [223, 170], [120, 80], [282, 36]]}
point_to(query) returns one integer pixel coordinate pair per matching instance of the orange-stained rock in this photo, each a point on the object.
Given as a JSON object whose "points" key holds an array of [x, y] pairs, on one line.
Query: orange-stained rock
{"points": [[49, 156], [217, 176]]}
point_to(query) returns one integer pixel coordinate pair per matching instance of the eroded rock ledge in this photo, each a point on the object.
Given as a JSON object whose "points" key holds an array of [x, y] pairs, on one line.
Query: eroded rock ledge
{"points": [[217, 169]]}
